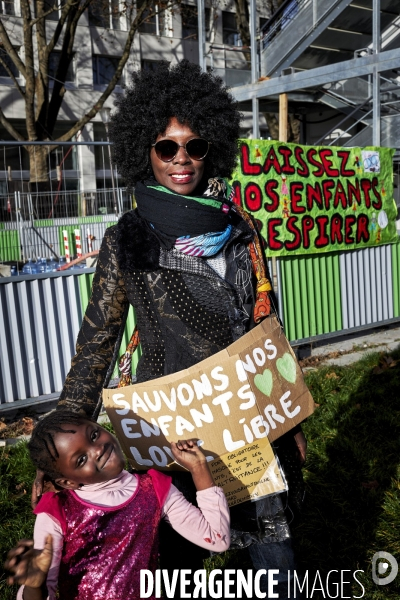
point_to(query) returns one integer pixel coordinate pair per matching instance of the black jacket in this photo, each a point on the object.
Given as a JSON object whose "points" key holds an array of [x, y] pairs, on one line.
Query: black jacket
{"points": [[184, 311]]}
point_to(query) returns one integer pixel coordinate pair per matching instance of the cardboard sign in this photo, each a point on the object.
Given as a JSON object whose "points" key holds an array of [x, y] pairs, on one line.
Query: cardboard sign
{"points": [[249, 473], [312, 199], [251, 390]]}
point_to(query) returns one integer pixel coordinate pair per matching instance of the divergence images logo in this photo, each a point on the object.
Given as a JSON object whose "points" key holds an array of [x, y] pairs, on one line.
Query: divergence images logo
{"points": [[380, 568]]}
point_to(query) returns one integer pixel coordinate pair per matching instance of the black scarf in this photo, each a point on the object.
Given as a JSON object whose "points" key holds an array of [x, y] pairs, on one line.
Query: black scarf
{"points": [[172, 215]]}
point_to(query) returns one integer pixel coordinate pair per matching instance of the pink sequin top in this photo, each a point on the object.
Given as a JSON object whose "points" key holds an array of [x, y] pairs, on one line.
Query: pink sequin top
{"points": [[105, 548], [207, 526]]}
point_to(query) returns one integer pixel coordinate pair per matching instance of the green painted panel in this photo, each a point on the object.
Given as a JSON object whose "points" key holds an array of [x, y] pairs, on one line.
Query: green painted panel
{"points": [[315, 298], [10, 246], [71, 238], [395, 248], [43, 223], [85, 288], [93, 219], [310, 288]]}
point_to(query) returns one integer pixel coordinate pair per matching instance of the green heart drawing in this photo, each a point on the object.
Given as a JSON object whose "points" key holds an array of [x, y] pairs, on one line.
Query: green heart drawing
{"points": [[264, 382], [287, 367]]}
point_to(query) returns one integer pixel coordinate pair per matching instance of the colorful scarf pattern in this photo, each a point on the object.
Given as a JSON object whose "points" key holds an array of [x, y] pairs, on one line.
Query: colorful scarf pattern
{"points": [[208, 244], [204, 245]]}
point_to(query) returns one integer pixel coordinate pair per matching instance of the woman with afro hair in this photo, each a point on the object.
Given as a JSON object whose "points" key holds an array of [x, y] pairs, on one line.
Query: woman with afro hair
{"points": [[190, 262]]}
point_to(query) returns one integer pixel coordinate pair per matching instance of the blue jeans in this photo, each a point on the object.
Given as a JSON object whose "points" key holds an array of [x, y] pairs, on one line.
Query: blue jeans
{"points": [[274, 555]]}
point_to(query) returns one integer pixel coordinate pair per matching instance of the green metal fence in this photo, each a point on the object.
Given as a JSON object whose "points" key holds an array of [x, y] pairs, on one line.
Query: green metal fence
{"points": [[310, 295], [10, 247]]}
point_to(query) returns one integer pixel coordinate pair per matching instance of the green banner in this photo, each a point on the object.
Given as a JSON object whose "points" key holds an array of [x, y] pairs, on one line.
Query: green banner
{"points": [[312, 199]]}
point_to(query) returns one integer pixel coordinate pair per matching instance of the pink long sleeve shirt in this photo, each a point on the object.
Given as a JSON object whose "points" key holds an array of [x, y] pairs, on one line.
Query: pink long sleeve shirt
{"points": [[206, 526]]}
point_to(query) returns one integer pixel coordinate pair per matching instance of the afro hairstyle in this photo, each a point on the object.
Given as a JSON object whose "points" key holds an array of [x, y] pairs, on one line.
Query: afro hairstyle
{"points": [[197, 99], [41, 446]]}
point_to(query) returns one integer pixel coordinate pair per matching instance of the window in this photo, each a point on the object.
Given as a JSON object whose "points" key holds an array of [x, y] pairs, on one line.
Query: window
{"points": [[263, 21], [189, 17], [7, 62], [54, 59], [154, 18], [150, 22], [229, 29], [105, 13], [104, 68], [55, 14], [149, 65], [7, 7]]}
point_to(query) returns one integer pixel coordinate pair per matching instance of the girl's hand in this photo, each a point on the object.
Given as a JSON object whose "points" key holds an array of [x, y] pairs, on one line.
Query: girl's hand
{"points": [[188, 454], [29, 566]]}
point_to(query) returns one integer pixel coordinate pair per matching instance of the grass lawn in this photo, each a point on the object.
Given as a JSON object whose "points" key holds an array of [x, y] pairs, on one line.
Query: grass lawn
{"points": [[352, 505]]}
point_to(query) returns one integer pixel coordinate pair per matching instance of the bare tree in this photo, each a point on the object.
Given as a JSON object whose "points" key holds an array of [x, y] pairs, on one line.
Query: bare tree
{"points": [[40, 38]]}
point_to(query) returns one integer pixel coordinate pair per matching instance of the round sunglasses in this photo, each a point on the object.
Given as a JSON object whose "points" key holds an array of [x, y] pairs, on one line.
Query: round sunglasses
{"points": [[196, 148]]}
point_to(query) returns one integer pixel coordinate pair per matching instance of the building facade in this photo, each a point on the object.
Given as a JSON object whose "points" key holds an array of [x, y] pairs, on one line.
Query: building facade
{"points": [[170, 35]]}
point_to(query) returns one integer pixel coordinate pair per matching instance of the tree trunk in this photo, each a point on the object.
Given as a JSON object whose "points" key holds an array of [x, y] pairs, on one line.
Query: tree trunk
{"points": [[38, 163], [39, 183]]}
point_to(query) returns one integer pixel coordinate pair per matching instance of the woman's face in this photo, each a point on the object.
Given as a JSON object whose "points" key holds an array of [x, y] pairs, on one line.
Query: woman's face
{"points": [[182, 174]]}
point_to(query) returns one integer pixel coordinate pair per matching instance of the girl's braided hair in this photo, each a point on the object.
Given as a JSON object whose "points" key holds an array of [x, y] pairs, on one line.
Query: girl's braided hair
{"points": [[195, 98], [42, 449]]}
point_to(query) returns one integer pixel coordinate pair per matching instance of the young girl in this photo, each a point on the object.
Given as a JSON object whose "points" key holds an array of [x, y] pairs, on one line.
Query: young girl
{"points": [[92, 539]]}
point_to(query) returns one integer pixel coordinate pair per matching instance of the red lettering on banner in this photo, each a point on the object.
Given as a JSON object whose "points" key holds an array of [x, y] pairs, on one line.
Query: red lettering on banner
{"points": [[248, 168], [307, 223], [376, 204], [322, 240], [292, 228], [362, 233], [286, 152], [344, 155], [272, 161], [366, 186], [272, 239], [310, 157], [270, 187], [252, 197], [236, 196], [340, 196], [348, 224], [329, 169], [296, 197], [303, 171], [310, 198], [354, 191], [327, 185], [336, 229], [314, 194]]}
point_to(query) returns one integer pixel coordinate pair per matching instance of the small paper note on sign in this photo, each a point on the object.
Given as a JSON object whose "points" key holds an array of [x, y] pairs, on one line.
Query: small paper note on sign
{"points": [[249, 473]]}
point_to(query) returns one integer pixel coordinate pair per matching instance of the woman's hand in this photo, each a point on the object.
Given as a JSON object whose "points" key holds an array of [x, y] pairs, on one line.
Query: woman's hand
{"points": [[28, 566], [301, 443], [188, 454], [39, 486]]}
